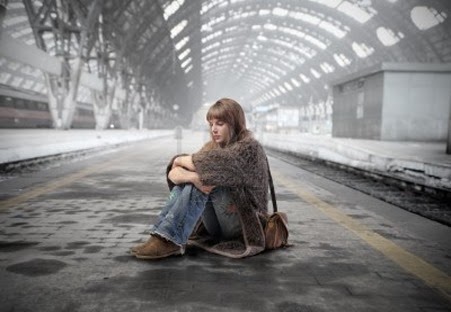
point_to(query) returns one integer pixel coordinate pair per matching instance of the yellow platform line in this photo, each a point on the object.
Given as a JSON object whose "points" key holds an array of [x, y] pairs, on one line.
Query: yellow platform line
{"points": [[432, 276], [58, 183]]}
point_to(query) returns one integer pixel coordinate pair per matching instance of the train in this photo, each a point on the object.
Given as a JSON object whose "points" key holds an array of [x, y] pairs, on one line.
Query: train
{"points": [[22, 109]]}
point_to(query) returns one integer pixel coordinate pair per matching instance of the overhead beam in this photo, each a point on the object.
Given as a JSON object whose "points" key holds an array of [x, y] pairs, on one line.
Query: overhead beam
{"points": [[30, 55], [18, 51]]}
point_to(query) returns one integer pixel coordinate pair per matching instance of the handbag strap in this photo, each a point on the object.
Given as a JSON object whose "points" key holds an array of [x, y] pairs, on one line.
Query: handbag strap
{"points": [[271, 187]]}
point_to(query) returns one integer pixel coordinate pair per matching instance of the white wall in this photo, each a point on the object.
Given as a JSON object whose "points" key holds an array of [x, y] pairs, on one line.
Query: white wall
{"points": [[416, 106]]}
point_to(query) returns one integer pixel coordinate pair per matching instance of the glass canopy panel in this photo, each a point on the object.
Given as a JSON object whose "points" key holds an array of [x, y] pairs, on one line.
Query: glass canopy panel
{"points": [[212, 36], [178, 28], [210, 47], [9, 22], [354, 11], [15, 5], [316, 42], [232, 28], [188, 69], [240, 15], [209, 55], [293, 46], [304, 78], [17, 81], [184, 54], [280, 12], [426, 17], [342, 60], [329, 27], [24, 32], [213, 21], [181, 43], [228, 41], [388, 37], [264, 12], [362, 50], [288, 86], [269, 26], [295, 82], [172, 7], [303, 49], [208, 5], [315, 73], [329, 3], [327, 68]]}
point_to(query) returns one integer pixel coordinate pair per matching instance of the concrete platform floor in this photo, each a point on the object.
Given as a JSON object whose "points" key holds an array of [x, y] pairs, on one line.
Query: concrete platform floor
{"points": [[65, 234]]}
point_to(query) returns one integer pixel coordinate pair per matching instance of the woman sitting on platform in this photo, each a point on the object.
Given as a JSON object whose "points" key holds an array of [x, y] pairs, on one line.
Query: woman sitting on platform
{"points": [[218, 195]]}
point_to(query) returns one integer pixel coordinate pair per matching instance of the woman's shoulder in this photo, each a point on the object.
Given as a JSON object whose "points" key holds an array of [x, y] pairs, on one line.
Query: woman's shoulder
{"points": [[251, 143]]}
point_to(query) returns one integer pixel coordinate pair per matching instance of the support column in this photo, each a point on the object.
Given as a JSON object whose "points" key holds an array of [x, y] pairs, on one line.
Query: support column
{"points": [[3, 4], [103, 101], [128, 107], [62, 93], [102, 109], [124, 109], [448, 143], [67, 23]]}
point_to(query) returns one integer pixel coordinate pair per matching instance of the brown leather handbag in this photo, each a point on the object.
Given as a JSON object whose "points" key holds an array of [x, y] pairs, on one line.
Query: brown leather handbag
{"points": [[276, 228]]}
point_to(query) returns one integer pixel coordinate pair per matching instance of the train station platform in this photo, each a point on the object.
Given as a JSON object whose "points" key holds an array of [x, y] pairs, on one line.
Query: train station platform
{"points": [[65, 233], [24, 144], [422, 163]]}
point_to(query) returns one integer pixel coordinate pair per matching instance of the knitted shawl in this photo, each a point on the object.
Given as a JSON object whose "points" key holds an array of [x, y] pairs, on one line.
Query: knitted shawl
{"points": [[242, 168]]}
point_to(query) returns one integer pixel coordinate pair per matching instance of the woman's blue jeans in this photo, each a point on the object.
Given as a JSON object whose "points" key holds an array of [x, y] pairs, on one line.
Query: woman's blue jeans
{"points": [[186, 204]]}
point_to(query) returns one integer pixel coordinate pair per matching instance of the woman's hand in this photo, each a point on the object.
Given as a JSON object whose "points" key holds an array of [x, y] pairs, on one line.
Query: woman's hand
{"points": [[206, 189]]}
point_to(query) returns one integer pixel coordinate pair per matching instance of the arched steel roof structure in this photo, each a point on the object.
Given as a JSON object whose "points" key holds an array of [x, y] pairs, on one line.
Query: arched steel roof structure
{"points": [[294, 48], [170, 56]]}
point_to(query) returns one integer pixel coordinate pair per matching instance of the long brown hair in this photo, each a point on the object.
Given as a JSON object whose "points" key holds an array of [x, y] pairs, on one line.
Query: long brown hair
{"points": [[230, 112]]}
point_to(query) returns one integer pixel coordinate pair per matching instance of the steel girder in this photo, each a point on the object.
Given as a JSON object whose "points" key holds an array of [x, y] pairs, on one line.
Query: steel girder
{"points": [[71, 25]]}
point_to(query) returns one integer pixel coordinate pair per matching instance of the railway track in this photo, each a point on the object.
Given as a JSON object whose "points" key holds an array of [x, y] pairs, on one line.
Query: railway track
{"points": [[431, 203]]}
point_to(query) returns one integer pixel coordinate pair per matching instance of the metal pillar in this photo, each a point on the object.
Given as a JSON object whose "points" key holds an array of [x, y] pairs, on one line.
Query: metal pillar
{"points": [[68, 24], [108, 68], [125, 109], [102, 109], [103, 101], [448, 143], [3, 4]]}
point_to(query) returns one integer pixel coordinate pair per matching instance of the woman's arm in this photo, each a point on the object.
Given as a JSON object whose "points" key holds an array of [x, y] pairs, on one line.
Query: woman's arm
{"points": [[185, 161], [180, 175]]}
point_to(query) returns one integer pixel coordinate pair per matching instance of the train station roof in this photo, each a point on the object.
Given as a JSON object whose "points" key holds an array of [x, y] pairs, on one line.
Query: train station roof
{"points": [[259, 52]]}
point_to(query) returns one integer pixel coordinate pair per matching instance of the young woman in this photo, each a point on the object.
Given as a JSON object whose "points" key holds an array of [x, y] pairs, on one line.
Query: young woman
{"points": [[218, 195]]}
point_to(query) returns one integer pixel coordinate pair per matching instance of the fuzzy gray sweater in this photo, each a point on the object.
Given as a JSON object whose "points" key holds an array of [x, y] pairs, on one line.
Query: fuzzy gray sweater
{"points": [[242, 167]]}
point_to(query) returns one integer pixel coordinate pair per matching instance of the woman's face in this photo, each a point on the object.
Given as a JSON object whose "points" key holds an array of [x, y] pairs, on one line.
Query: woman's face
{"points": [[220, 131]]}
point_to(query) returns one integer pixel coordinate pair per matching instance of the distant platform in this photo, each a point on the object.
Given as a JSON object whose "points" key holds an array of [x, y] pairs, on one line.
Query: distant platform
{"points": [[422, 162]]}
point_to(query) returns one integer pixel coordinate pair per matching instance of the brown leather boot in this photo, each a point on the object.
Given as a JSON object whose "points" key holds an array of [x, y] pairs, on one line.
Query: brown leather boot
{"points": [[156, 248], [135, 248]]}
